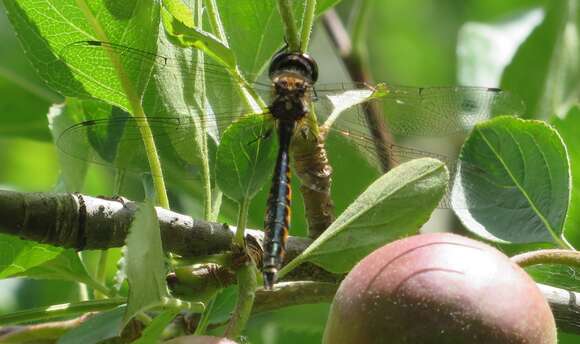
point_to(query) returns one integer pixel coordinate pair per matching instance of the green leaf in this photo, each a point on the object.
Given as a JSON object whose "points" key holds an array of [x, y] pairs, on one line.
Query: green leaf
{"points": [[246, 157], [179, 10], [395, 205], [25, 97], [513, 182], [96, 329], [560, 276], [145, 263], [73, 171], [552, 52], [190, 37], [485, 49], [568, 129], [45, 313], [18, 256], [66, 266], [154, 330], [50, 31], [224, 305]]}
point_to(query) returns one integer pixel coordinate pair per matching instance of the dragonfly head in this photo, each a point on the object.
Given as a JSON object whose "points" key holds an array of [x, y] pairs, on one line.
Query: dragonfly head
{"points": [[294, 63]]}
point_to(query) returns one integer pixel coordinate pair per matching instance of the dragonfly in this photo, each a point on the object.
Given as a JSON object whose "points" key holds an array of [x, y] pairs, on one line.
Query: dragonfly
{"points": [[293, 95]]}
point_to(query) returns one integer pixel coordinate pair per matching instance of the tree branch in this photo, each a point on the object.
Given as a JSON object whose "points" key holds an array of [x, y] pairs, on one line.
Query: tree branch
{"points": [[87, 223], [84, 222]]}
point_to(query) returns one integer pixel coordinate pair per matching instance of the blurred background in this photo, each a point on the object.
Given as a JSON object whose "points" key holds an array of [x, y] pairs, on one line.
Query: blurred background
{"points": [[414, 42]]}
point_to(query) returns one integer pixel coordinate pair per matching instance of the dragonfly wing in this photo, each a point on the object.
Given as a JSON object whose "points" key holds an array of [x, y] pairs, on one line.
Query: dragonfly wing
{"points": [[398, 154], [410, 111], [172, 76], [441, 111], [116, 139]]}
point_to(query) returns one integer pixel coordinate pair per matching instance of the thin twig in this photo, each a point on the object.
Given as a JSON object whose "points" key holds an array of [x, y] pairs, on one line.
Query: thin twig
{"points": [[554, 256], [358, 69], [289, 23]]}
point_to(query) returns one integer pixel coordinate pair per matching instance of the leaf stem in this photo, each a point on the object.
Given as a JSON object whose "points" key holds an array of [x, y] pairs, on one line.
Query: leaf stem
{"points": [[246, 276], [309, 12], [247, 285], [215, 21], [290, 30], [552, 256], [101, 275]]}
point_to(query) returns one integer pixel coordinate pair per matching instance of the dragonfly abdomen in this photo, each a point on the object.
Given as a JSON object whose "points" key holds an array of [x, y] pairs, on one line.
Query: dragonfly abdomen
{"points": [[277, 220]]}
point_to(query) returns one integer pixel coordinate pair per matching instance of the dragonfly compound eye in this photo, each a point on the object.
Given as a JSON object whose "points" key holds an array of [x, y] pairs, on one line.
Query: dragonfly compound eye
{"points": [[294, 62]]}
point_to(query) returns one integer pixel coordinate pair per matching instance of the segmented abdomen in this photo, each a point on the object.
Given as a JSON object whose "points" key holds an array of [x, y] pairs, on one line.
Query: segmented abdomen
{"points": [[277, 220]]}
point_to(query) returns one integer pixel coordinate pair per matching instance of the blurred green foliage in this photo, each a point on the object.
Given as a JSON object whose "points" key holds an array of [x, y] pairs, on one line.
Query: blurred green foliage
{"points": [[411, 42]]}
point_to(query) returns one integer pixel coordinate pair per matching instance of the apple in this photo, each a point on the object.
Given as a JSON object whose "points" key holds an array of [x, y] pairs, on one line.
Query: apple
{"points": [[439, 288], [200, 340]]}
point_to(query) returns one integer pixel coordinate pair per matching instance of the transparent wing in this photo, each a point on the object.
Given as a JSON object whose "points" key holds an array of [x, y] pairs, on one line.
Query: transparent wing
{"points": [[99, 64], [412, 111], [177, 109], [396, 155], [118, 142], [407, 111]]}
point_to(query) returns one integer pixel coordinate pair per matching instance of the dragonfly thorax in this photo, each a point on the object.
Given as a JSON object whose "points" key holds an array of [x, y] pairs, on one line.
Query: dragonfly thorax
{"points": [[291, 94]]}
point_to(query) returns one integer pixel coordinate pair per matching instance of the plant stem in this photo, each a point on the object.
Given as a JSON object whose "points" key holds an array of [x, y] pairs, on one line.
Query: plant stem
{"points": [[101, 275], [553, 256], [290, 30], [239, 240], [309, 12], [57, 311], [289, 267], [136, 108], [247, 285], [200, 98], [246, 277]]}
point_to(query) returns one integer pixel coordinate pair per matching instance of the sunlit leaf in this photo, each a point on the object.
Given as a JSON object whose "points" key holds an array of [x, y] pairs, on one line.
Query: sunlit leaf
{"points": [[87, 71], [552, 52], [513, 182], [395, 205], [18, 256], [66, 266], [485, 49], [190, 37]]}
